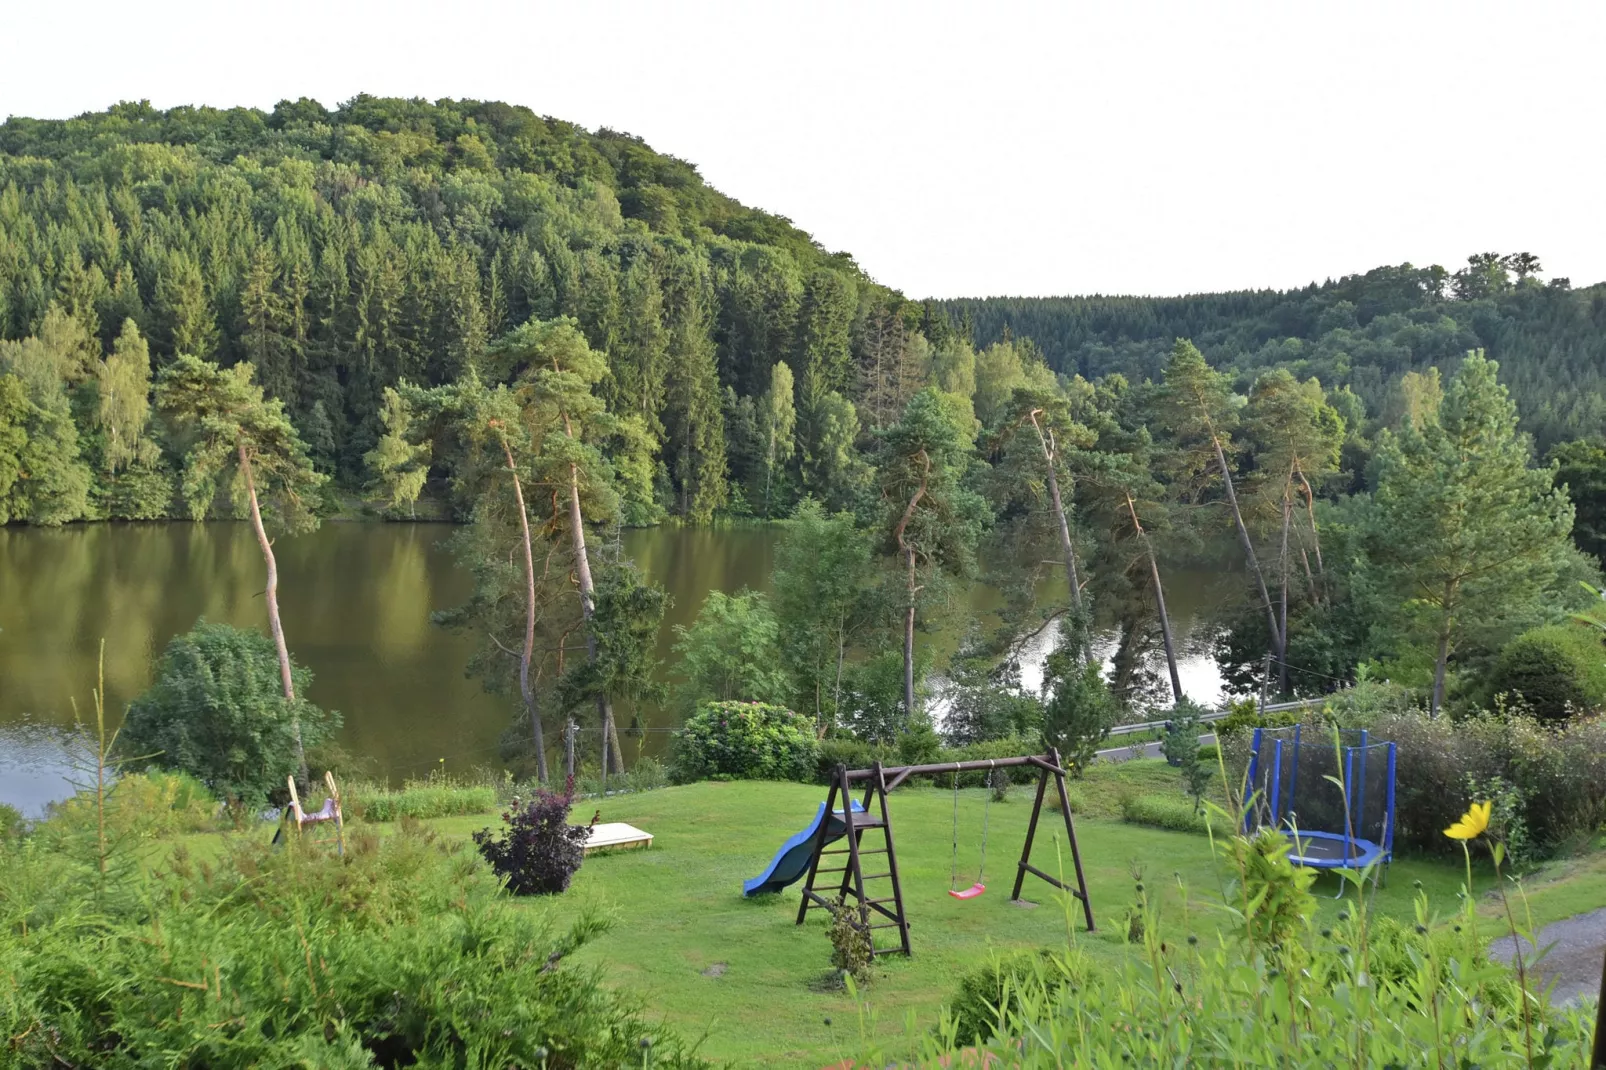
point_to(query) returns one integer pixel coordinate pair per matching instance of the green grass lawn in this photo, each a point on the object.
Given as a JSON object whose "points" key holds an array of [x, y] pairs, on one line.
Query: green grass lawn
{"points": [[740, 973]]}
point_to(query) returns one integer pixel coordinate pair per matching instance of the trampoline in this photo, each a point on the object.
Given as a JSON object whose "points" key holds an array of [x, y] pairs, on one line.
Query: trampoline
{"points": [[1330, 792]]}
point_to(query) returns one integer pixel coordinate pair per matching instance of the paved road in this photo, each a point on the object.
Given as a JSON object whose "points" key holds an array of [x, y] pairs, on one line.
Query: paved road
{"points": [[1150, 750], [1573, 962]]}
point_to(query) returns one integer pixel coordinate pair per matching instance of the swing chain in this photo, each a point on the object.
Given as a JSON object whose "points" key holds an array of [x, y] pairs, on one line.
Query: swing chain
{"points": [[953, 863], [981, 870]]}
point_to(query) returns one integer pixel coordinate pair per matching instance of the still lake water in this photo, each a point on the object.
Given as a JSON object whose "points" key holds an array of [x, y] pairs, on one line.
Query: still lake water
{"points": [[356, 599]]}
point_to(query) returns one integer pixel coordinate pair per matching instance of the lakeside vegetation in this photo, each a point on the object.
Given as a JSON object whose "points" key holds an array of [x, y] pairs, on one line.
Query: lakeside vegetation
{"points": [[560, 334]]}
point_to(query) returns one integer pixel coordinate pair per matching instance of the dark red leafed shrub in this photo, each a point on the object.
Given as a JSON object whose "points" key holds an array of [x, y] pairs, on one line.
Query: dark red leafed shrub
{"points": [[538, 850]]}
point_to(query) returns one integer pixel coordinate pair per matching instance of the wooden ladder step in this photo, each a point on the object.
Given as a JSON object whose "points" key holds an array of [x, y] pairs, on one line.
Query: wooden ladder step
{"points": [[883, 899], [862, 851]]}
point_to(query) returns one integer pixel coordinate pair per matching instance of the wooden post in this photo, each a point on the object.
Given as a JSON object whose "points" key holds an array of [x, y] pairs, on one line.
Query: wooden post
{"points": [[1070, 837], [892, 861], [1598, 1062], [1031, 831]]}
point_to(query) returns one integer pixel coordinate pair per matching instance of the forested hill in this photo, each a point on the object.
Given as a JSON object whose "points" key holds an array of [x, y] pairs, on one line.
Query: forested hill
{"points": [[1363, 331], [343, 251]]}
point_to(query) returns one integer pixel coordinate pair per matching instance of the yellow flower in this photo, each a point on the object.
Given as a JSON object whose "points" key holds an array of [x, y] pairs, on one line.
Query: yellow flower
{"points": [[1472, 823]]}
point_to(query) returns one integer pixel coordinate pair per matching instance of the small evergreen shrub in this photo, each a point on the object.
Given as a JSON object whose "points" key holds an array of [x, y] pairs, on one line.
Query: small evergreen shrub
{"points": [[538, 851], [744, 741]]}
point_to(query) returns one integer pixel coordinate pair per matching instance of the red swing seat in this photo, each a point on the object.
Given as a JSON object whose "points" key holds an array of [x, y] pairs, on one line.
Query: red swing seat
{"points": [[968, 893]]}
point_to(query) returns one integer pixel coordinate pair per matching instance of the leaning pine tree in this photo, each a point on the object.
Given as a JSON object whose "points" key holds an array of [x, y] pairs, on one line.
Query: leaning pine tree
{"points": [[234, 439]]}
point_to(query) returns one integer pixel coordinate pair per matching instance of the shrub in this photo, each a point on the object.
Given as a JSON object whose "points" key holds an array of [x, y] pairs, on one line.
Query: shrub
{"points": [[410, 953], [852, 951], [142, 805], [846, 751], [435, 797], [217, 712], [1558, 671], [1163, 811], [12, 824], [992, 991], [1558, 771], [539, 850], [744, 741], [920, 745], [1245, 718]]}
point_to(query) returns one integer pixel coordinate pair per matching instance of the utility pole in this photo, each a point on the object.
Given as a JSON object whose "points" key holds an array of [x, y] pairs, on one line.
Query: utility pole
{"points": [[568, 749]]}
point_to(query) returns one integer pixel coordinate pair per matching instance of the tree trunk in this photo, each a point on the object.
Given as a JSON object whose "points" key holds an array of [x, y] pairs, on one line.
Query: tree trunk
{"points": [[1159, 602], [612, 757], [1247, 543], [841, 653], [1282, 622], [1067, 548], [909, 613], [526, 692], [1443, 659], [909, 642], [270, 594], [1310, 512]]}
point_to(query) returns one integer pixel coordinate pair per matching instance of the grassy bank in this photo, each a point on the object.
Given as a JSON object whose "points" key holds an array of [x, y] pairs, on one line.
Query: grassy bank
{"points": [[757, 987]]}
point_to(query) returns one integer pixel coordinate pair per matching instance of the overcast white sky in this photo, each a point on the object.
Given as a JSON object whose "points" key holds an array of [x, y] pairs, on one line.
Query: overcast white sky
{"points": [[966, 149]]}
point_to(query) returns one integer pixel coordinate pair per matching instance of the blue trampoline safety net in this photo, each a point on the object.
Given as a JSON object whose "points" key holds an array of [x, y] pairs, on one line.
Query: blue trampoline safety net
{"points": [[1331, 791]]}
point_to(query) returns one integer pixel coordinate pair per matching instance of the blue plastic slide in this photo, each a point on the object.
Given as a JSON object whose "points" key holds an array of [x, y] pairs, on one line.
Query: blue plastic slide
{"points": [[792, 860]]}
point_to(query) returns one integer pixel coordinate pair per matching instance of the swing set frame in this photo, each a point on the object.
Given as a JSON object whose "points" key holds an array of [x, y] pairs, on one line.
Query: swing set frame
{"points": [[878, 781]]}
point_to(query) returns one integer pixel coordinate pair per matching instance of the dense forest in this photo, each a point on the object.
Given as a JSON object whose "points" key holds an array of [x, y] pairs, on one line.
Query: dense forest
{"points": [[341, 252], [1361, 331], [556, 333]]}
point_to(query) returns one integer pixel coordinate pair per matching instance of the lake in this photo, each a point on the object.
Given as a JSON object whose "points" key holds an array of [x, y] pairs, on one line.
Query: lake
{"points": [[355, 598]]}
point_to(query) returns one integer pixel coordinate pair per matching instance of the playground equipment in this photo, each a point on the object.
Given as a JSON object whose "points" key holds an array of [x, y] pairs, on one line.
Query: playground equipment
{"points": [[878, 781], [953, 865], [1330, 793], [792, 860], [329, 817]]}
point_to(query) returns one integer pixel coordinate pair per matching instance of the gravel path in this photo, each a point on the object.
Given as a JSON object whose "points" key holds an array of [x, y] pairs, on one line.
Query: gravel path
{"points": [[1576, 946]]}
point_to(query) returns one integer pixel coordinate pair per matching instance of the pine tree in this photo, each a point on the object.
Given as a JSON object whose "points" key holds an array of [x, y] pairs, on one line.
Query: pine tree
{"points": [[231, 435], [187, 326], [932, 522], [1463, 526]]}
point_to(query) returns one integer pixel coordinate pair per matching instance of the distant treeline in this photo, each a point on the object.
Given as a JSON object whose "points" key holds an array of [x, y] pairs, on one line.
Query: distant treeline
{"points": [[1362, 331]]}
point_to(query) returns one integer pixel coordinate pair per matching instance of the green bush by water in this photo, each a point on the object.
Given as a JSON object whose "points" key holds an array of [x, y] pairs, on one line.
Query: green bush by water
{"points": [[744, 741]]}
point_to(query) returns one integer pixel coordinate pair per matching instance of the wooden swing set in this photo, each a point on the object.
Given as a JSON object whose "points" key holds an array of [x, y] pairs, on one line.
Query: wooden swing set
{"points": [[878, 781]]}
